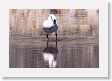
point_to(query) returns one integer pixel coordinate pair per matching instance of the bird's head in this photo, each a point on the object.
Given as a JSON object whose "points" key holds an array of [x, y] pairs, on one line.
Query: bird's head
{"points": [[52, 17]]}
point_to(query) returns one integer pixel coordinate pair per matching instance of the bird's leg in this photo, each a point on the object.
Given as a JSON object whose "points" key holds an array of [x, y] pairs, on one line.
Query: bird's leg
{"points": [[47, 42], [47, 37], [56, 35], [56, 44]]}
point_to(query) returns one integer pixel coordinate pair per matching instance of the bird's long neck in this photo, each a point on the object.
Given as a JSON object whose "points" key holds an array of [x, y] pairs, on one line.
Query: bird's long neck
{"points": [[50, 18]]}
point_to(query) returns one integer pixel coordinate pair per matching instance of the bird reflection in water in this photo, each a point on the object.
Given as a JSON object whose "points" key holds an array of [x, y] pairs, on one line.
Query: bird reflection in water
{"points": [[50, 55]]}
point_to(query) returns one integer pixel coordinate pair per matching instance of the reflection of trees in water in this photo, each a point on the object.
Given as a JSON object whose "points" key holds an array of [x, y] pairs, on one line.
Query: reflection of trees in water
{"points": [[71, 21]]}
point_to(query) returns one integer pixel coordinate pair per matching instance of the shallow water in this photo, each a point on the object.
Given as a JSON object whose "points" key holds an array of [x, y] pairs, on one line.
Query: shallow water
{"points": [[63, 53]]}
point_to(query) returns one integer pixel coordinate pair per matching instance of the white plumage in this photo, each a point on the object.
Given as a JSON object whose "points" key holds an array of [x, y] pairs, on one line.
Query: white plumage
{"points": [[49, 23], [51, 17]]}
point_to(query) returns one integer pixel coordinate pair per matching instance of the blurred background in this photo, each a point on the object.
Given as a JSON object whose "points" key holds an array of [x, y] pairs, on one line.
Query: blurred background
{"points": [[28, 22]]}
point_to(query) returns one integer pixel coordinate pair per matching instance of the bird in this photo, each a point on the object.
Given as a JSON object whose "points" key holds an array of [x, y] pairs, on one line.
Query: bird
{"points": [[50, 25], [50, 54]]}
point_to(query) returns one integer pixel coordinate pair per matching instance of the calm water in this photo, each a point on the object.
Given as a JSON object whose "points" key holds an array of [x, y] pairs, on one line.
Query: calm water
{"points": [[80, 52]]}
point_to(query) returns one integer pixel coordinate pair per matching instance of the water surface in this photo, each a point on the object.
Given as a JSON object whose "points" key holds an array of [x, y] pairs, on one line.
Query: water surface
{"points": [[80, 52]]}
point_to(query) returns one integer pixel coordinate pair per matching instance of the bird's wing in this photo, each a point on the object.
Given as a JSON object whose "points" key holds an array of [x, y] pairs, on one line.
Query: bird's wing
{"points": [[47, 24]]}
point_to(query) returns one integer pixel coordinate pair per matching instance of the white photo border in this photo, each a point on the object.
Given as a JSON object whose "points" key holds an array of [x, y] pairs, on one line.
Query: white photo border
{"points": [[102, 5]]}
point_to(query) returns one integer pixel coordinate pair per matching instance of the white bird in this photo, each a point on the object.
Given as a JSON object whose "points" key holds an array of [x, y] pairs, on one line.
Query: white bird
{"points": [[50, 25]]}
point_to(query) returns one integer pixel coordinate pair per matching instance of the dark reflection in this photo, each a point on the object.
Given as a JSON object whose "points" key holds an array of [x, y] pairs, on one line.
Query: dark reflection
{"points": [[50, 55]]}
